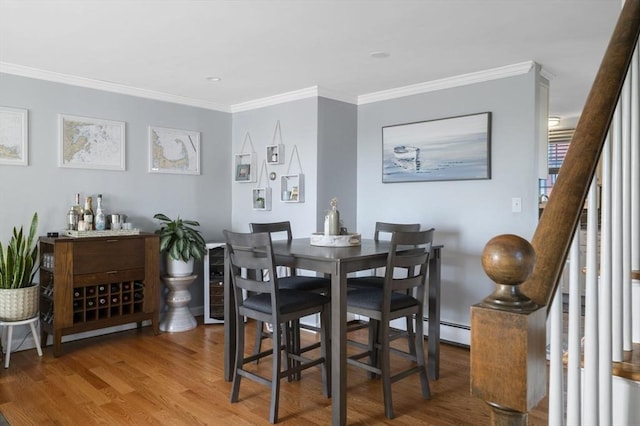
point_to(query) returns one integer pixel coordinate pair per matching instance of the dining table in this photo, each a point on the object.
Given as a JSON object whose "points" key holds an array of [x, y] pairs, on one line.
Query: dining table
{"points": [[338, 262]]}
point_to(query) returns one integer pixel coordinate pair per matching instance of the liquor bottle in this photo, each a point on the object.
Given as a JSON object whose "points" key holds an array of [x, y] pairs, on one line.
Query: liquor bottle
{"points": [[78, 208], [88, 213], [100, 217]]}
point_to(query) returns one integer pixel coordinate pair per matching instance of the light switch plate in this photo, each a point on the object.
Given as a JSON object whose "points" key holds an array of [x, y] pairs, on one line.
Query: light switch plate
{"points": [[516, 205]]}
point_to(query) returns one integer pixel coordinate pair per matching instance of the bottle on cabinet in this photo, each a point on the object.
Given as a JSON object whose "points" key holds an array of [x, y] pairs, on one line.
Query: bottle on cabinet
{"points": [[88, 214], [100, 219], [74, 215]]}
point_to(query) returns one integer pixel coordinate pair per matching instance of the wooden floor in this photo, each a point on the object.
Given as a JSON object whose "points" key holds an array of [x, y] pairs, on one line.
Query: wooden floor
{"points": [[136, 378]]}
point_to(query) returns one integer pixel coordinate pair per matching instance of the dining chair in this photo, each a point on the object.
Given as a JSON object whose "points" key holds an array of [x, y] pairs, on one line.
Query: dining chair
{"points": [[409, 251], [268, 302], [384, 230], [291, 281]]}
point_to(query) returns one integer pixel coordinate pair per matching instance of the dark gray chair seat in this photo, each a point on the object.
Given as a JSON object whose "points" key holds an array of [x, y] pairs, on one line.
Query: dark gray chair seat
{"points": [[290, 301], [372, 298]]}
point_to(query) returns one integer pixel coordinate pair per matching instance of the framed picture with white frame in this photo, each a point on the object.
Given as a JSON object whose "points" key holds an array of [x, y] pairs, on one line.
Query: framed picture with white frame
{"points": [[91, 143], [14, 138]]}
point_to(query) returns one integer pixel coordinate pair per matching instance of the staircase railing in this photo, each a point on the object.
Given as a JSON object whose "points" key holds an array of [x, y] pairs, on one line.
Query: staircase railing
{"points": [[508, 331]]}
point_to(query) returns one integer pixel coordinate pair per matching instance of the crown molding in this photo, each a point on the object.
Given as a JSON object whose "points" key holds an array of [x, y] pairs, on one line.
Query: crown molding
{"points": [[313, 91], [295, 95], [23, 71], [447, 83]]}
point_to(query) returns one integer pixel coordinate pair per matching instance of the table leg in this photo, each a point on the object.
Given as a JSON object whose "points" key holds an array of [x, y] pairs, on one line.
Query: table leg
{"points": [[229, 322], [339, 347], [434, 314]]}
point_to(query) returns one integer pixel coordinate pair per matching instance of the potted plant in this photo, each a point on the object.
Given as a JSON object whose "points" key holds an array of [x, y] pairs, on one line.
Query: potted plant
{"points": [[260, 203], [19, 295], [181, 243]]}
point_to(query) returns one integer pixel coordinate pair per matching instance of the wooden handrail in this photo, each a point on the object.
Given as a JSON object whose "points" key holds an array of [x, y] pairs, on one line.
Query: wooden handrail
{"points": [[561, 215]]}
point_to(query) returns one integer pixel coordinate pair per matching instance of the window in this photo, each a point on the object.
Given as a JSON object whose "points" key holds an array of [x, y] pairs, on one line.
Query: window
{"points": [[559, 141]]}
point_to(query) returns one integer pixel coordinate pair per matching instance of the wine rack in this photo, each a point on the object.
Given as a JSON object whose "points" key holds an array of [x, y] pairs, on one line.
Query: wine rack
{"points": [[214, 284], [97, 282], [98, 302]]}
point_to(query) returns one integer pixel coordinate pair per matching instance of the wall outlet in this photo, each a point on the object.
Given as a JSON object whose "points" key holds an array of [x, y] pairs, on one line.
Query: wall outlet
{"points": [[516, 205]]}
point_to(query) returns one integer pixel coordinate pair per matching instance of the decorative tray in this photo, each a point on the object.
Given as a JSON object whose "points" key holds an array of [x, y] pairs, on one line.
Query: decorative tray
{"points": [[348, 240], [105, 233]]}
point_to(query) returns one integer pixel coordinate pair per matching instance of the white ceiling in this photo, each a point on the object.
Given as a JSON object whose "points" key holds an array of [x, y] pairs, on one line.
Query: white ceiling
{"points": [[261, 49]]}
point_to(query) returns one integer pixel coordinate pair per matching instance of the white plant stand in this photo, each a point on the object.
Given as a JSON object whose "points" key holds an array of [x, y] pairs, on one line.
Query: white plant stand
{"points": [[178, 317], [7, 334]]}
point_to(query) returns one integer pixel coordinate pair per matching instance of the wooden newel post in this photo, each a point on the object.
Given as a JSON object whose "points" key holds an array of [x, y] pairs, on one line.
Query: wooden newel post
{"points": [[508, 363]]}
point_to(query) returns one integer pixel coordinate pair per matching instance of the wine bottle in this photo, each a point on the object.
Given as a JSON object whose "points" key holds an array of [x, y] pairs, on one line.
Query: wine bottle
{"points": [[102, 289], [88, 214], [114, 300], [102, 300], [90, 303], [91, 291], [125, 298], [76, 293], [100, 217]]}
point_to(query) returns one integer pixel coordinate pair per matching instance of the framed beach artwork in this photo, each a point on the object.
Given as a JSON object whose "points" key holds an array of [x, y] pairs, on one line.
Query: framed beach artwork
{"points": [[455, 148]]}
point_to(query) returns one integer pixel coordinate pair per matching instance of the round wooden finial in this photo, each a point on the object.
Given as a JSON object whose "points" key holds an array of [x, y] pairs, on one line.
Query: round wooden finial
{"points": [[508, 260]]}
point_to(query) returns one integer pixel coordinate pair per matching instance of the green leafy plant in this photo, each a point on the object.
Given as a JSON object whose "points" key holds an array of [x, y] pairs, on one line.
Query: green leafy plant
{"points": [[18, 263], [179, 239]]}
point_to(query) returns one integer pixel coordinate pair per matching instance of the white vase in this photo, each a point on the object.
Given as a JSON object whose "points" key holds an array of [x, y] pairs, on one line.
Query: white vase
{"points": [[179, 268]]}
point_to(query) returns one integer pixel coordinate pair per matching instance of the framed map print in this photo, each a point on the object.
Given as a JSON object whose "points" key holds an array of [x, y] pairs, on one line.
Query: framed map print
{"points": [[13, 136], [174, 151], [91, 143]]}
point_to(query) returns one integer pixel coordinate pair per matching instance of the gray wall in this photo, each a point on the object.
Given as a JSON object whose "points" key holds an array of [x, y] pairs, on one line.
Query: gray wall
{"points": [[44, 187], [337, 160], [465, 214]]}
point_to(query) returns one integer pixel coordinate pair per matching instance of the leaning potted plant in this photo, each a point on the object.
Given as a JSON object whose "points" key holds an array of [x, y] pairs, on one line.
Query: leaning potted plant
{"points": [[181, 243], [19, 295]]}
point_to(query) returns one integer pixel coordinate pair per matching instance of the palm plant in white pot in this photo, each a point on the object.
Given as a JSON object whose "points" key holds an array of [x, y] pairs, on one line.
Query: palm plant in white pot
{"points": [[181, 243], [19, 295]]}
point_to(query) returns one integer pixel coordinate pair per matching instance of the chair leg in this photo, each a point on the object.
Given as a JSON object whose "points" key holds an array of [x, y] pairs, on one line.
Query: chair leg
{"points": [[235, 386], [374, 345], [295, 340], [410, 333], [385, 367], [325, 333], [257, 345], [275, 376], [419, 353]]}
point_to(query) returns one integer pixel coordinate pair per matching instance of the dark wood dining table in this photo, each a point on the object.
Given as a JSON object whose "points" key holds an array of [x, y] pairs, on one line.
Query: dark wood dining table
{"points": [[338, 262]]}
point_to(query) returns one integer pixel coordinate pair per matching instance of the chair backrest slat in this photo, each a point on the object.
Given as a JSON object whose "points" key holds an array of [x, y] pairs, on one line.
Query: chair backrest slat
{"points": [[387, 227]]}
